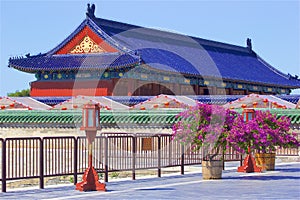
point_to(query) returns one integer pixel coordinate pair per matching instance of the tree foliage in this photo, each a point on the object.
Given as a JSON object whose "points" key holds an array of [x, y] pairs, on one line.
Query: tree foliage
{"points": [[22, 93]]}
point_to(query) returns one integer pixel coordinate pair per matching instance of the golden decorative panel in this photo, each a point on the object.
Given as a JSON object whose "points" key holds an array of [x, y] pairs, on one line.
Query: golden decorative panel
{"points": [[87, 45], [206, 82], [144, 76], [166, 78], [106, 74], [187, 81]]}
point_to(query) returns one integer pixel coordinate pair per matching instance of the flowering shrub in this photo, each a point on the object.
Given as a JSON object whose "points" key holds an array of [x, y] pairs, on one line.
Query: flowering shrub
{"points": [[262, 133], [204, 126]]}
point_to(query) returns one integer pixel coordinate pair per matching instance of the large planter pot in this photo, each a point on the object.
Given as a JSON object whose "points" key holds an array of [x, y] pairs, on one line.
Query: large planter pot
{"points": [[212, 169], [266, 161]]}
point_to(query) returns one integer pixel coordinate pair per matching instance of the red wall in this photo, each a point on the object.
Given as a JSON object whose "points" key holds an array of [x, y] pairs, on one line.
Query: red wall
{"points": [[71, 88]]}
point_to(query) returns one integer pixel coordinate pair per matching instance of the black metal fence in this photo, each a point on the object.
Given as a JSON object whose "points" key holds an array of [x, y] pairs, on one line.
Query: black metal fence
{"points": [[34, 157]]}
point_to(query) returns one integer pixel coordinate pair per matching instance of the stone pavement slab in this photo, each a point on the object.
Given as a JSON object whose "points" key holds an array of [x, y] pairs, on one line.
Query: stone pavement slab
{"points": [[283, 183]]}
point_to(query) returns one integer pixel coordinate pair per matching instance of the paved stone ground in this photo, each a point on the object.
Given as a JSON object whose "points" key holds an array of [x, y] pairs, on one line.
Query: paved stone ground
{"points": [[283, 183]]}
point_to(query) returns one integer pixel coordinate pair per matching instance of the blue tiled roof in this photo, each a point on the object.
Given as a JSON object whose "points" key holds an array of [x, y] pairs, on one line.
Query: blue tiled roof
{"points": [[51, 100], [126, 100], [73, 62], [132, 100], [290, 98], [189, 55], [215, 99], [165, 51], [129, 100]]}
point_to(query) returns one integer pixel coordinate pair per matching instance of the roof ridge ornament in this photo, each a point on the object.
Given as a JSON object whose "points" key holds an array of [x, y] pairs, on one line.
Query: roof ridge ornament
{"points": [[249, 44], [90, 11]]}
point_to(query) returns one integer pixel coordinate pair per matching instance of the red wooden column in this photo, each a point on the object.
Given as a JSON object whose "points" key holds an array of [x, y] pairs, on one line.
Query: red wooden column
{"points": [[155, 89], [196, 89], [177, 88], [213, 90], [131, 87]]}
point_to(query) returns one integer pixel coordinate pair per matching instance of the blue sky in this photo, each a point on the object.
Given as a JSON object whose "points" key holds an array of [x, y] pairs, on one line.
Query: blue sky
{"points": [[38, 26]]}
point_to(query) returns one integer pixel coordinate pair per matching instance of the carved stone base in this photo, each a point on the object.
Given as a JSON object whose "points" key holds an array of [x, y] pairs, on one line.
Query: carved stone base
{"points": [[249, 165], [90, 181]]}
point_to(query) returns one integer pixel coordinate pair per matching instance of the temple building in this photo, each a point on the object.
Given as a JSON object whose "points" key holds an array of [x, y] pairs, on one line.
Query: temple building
{"points": [[108, 58]]}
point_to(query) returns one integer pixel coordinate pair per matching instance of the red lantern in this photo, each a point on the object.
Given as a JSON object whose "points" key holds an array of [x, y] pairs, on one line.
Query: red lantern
{"points": [[244, 106], [107, 108], [266, 102], [284, 107], [254, 104], [167, 104]]}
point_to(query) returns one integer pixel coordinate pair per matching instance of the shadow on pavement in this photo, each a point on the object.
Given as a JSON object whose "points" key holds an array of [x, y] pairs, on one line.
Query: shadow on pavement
{"points": [[153, 189], [288, 170], [262, 178]]}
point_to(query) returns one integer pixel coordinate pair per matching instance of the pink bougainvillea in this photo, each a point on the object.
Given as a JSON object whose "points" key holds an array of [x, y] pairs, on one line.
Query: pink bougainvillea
{"points": [[216, 128], [204, 126], [263, 133]]}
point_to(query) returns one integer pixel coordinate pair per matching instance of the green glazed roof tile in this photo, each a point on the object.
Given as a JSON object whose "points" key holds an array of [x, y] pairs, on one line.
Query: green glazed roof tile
{"points": [[108, 119]]}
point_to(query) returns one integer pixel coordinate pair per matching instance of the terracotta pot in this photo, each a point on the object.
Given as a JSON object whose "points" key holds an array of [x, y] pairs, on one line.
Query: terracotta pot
{"points": [[212, 169], [266, 161]]}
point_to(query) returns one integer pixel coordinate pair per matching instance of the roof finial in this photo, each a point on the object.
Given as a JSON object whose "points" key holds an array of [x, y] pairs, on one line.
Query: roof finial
{"points": [[249, 44], [91, 10]]}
